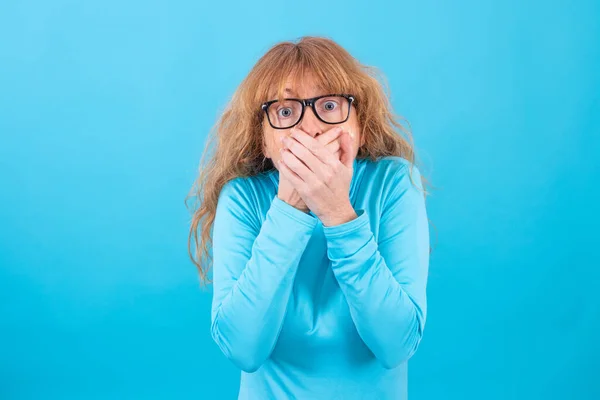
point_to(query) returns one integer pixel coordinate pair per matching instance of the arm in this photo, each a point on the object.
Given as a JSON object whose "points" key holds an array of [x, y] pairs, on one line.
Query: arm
{"points": [[253, 273], [385, 283]]}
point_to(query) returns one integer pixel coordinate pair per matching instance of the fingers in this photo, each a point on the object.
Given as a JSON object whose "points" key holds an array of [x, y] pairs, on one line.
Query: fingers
{"points": [[292, 161], [346, 150], [315, 146], [290, 175], [304, 155], [333, 147], [329, 136]]}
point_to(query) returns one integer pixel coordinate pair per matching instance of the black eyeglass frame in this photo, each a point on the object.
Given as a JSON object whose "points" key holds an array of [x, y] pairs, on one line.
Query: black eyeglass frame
{"points": [[309, 102]]}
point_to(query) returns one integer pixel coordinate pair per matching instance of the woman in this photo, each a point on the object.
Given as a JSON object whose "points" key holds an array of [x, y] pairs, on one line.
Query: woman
{"points": [[320, 241]]}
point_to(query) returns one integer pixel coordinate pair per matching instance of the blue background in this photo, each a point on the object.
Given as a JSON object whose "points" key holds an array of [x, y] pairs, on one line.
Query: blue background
{"points": [[104, 111]]}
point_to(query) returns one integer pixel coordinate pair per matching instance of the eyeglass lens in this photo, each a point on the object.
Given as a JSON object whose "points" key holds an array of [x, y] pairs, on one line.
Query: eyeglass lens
{"points": [[333, 109]]}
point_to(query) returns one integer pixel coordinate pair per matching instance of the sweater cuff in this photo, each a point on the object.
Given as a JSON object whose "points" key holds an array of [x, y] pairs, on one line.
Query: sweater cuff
{"points": [[292, 212], [345, 240], [347, 228]]}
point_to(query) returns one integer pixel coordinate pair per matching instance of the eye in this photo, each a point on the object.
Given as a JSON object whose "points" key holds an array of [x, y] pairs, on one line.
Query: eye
{"points": [[284, 112], [329, 105]]}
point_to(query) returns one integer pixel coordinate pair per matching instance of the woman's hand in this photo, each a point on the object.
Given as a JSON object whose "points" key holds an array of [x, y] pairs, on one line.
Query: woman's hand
{"points": [[286, 190], [320, 178], [287, 193]]}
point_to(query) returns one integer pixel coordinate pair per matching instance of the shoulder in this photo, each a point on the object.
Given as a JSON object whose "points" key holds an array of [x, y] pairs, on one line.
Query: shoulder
{"points": [[237, 195], [396, 173], [401, 186], [239, 198], [245, 187], [237, 188]]}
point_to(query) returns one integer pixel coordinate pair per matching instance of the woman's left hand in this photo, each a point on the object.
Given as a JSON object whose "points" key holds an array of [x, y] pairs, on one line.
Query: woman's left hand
{"points": [[321, 179]]}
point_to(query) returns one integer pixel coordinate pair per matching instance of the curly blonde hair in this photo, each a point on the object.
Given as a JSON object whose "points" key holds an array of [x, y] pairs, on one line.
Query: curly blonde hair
{"points": [[239, 133]]}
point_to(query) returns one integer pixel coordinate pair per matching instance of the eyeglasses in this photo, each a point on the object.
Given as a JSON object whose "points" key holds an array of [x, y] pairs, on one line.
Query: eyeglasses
{"points": [[329, 108]]}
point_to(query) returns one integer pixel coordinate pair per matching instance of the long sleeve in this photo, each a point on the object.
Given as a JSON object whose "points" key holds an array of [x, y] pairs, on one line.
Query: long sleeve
{"points": [[384, 281], [254, 267]]}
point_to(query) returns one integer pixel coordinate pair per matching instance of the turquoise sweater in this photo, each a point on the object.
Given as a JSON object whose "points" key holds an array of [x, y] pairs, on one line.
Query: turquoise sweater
{"points": [[308, 311]]}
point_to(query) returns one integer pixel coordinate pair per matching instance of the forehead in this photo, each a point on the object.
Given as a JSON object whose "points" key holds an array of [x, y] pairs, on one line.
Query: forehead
{"points": [[304, 88]]}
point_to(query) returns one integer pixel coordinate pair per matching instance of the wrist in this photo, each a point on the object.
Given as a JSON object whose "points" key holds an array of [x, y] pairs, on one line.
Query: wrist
{"points": [[347, 215], [300, 206]]}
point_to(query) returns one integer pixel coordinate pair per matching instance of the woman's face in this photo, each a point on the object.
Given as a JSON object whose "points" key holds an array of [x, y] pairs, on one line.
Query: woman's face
{"points": [[309, 123]]}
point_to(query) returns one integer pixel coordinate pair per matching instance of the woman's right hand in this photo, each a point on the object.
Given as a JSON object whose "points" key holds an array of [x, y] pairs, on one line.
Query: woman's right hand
{"points": [[286, 191]]}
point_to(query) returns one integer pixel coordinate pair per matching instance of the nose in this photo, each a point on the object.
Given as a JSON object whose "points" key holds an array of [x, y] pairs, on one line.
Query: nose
{"points": [[310, 123]]}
